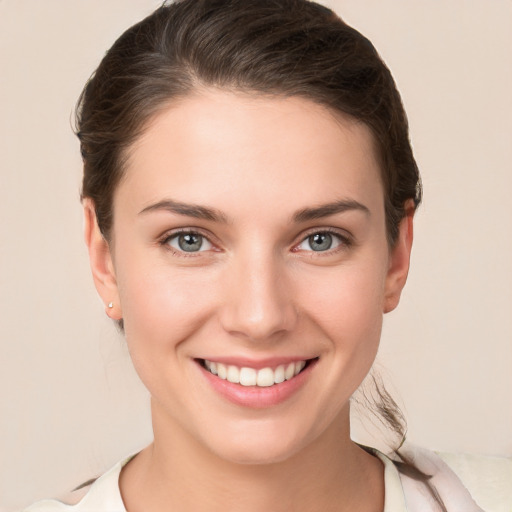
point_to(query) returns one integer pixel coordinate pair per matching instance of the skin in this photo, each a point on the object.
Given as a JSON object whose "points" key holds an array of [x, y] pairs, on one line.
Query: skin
{"points": [[256, 290]]}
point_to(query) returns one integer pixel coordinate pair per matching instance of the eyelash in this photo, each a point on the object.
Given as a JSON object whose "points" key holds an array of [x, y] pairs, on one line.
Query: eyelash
{"points": [[345, 241], [164, 241]]}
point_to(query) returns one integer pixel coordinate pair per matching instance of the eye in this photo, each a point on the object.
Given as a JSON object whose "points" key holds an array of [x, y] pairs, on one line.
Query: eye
{"points": [[188, 242], [322, 241]]}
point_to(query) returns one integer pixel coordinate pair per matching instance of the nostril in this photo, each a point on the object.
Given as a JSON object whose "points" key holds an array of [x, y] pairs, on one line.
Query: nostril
{"points": [[257, 303]]}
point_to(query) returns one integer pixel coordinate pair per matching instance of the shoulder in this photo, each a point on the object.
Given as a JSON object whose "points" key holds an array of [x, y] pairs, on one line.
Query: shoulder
{"points": [[489, 479], [417, 480], [465, 483], [102, 496]]}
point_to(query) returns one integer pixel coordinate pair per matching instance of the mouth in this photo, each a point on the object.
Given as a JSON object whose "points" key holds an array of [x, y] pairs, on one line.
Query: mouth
{"points": [[252, 377]]}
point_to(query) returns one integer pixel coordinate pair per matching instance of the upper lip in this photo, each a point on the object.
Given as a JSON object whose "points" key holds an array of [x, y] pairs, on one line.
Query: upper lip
{"points": [[257, 364]]}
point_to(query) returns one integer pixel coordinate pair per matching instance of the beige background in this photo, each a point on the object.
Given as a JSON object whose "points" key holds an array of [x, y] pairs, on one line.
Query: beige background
{"points": [[70, 405]]}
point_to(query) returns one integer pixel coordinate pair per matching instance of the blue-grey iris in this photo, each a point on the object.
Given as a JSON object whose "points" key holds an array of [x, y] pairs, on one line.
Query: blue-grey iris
{"points": [[190, 242], [320, 241]]}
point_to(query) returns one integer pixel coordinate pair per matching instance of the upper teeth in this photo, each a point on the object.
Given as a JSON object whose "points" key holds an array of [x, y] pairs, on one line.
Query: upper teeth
{"points": [[252, 377]]}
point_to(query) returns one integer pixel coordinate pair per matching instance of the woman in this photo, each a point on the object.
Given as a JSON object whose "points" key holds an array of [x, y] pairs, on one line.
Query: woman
{"points": [[249, 192]]}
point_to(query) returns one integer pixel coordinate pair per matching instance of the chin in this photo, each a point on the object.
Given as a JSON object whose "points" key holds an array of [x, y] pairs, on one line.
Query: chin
{"points": [[259, 445], [257, 454]]}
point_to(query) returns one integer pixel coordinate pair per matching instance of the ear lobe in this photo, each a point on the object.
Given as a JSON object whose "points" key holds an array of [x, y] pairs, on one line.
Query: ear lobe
{"points": [[399, 259], [100, 259]]}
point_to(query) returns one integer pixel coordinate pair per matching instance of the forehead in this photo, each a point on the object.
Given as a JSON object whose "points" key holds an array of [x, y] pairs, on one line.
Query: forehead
{"points": [[213, 145]]}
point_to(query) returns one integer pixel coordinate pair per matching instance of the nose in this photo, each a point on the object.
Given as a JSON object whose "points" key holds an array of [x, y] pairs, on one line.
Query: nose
{"points": [[258, 299]]}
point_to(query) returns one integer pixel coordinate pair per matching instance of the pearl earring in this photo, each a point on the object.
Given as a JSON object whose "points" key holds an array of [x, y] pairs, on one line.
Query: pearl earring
{"points": [[110, 305]]}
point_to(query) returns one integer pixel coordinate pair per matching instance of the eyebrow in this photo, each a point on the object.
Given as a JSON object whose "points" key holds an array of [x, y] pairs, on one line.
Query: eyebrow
{"points": [[212, 214], [190, 210], [325, 210]]}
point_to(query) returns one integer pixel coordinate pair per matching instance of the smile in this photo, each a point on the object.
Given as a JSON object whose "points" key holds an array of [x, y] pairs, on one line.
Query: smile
{"points": [[246, 376], [257, 384]]}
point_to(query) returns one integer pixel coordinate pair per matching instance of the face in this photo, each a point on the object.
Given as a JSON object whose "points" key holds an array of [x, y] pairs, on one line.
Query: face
{"points": [[250, 265]]}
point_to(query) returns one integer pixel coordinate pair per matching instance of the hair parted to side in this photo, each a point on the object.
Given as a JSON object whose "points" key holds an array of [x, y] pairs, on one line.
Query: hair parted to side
{"points": [[273, 47], [270, 47]]}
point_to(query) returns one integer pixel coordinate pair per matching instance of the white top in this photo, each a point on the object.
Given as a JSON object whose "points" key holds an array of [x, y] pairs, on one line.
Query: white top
{"points": [[402, 494]]}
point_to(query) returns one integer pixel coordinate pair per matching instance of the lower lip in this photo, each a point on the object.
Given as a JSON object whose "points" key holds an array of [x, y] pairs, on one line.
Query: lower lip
{"points": [[258, 397]]}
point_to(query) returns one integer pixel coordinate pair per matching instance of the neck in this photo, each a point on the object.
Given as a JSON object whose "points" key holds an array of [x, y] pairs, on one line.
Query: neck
{"points": [[176, 472]]}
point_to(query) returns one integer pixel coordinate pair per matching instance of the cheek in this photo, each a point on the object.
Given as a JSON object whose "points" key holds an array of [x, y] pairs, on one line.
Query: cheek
{"points": [[163, 311], [348, 310], [162, 306], [347, 299]]}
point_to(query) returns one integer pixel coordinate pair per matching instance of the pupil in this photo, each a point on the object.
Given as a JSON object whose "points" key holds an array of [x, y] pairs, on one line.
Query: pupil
{"points": [[190, 242], [320, 241]]}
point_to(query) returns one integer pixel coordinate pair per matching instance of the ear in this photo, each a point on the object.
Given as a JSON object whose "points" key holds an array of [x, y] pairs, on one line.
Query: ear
{"points": [[100, 259], [399, 259]]}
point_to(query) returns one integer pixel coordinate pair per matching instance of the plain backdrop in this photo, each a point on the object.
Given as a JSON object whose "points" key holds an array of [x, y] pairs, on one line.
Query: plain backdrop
{"points": [[70, 403]]}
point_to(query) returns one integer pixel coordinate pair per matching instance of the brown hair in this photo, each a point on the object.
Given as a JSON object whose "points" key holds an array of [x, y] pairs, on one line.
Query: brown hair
{"points": [[270, 47], [274, 47]]}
